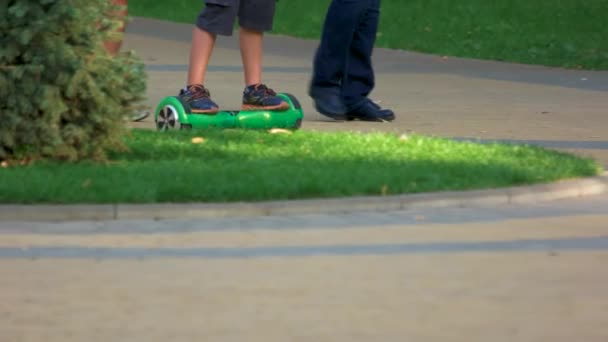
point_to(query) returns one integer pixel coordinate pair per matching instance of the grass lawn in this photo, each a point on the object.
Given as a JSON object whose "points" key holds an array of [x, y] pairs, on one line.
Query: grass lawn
{"points": [[569, 33], [239, 165]]}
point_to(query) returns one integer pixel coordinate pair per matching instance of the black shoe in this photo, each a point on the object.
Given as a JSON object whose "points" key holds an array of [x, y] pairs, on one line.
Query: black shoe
{"points": [[369, 111], [328, 102]]}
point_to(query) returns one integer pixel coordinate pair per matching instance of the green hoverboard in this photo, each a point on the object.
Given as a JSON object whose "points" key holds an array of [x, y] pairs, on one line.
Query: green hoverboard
{"points": [[173, 113]]}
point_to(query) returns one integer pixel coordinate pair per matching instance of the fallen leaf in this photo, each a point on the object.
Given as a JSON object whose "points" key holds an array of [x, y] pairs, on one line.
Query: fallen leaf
{"points": [[86, 183], [198, 140], [280, 131], [25, 162], [384, 190]]}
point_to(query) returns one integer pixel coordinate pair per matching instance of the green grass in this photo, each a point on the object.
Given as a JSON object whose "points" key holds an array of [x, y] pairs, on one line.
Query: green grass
{"points": [[564, 33], [241, 165]]}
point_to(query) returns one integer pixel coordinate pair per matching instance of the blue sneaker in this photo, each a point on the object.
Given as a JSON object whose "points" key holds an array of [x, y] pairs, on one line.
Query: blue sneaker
{"points": [[199, 99], [260, 97]]}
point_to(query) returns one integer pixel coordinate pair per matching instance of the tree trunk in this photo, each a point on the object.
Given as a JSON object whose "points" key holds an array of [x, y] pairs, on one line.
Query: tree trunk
{"points": [[114, 46]]}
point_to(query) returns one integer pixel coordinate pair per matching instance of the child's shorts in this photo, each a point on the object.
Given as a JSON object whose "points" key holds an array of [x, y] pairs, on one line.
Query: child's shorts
{"points": [[219, 15]]}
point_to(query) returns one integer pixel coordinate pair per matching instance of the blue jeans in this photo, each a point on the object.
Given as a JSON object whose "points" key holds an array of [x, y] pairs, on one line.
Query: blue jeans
{"points": [[343, 59]]}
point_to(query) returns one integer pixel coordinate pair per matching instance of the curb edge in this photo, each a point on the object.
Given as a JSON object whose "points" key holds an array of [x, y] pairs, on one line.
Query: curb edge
{"points": [[573, 188]]}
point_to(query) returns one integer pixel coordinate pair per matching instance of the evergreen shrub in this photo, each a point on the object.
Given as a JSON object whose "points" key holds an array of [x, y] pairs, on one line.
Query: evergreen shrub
{"points": [[62, 95]]}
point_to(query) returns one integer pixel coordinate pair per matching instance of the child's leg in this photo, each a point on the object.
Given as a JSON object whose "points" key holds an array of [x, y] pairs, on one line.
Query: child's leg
{"points": [[200, 53], [216, 18], [251, 53], [255, 17]]}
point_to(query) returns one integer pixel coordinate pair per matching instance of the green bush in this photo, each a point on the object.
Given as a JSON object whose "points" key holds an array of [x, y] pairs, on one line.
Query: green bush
{"points": [[62, 95]]}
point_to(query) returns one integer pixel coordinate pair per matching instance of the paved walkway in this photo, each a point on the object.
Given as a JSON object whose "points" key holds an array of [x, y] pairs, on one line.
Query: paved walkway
{"points": [[515, 273], [531, 272]]}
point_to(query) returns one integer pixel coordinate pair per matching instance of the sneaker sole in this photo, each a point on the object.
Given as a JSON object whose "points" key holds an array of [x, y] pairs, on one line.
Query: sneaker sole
{"points": [[282, 107], [204, 111]]}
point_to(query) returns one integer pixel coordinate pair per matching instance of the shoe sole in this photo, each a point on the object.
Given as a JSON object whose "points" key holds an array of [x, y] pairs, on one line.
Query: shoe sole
{"points": [[338, 115], [282, 107], [330, 114], [204, 111], [334, 117], [387, 119]]}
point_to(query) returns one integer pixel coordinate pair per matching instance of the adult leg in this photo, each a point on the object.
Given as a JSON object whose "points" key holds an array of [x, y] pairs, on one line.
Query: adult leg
{"points": [[332, 55], [359, 80]]}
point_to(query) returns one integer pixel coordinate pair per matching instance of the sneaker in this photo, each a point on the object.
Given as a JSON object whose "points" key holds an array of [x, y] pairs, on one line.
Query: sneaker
{"points": [[199, 99], [259, 96]]}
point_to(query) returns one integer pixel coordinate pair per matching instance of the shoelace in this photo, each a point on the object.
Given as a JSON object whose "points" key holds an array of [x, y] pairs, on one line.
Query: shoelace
{"points": [[199, 92], [265, 90]]}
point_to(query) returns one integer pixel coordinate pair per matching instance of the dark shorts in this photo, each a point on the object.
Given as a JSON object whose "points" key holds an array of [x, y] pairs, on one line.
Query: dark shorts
{"points": [[219, 16]]}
